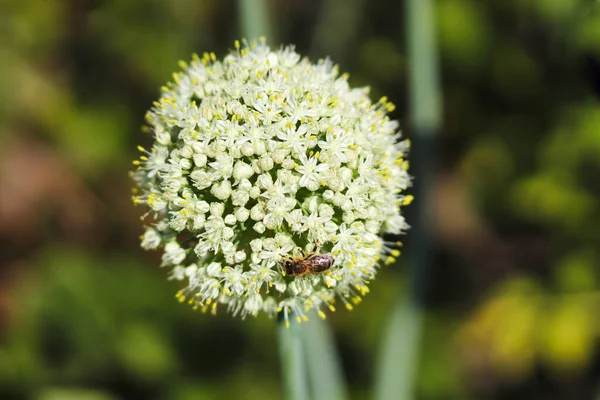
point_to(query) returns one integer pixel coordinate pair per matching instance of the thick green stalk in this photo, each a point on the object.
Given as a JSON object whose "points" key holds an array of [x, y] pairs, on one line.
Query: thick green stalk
{"points": [[424, 78], [324, 371], [254, 19], [400, 351], [291, 351]]}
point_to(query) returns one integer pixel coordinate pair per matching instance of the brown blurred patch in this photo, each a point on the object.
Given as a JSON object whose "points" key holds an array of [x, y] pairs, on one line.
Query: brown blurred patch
{"points": [[460, 228], [10, 273], [40, 195], [41, 199], [491, 255]]}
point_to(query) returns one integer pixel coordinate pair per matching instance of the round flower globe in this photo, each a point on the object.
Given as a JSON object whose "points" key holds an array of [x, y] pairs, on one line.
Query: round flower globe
{"points": [[270, 182]]}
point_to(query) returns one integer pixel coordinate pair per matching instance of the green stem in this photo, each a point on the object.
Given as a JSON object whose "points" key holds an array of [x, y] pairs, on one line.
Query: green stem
{"points": [[425, 99], [254, 19], [400, 352], [291, 351], [326, 378]]}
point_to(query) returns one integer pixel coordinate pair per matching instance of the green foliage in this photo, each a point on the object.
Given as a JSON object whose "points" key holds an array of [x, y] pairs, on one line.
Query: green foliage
{"points": [[465, 44]]}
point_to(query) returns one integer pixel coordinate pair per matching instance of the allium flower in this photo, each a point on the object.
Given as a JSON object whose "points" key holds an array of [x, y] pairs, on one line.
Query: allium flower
{"points": [[264, 157]]}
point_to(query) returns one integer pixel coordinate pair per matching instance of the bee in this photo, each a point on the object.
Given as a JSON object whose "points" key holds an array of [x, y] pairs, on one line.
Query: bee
{"points": [[307, 264]]}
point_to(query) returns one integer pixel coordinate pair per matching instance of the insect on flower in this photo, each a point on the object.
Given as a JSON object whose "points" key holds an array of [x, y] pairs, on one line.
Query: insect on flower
{"points": [[307, 264]]}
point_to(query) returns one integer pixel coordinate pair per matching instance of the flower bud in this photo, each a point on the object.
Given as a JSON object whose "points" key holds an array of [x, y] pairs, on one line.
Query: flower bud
{"points": [[257, 213], [242, 214], [241, 170], [259, 227], [216, 209], [265, 163], [230, 219], [221, 190]]}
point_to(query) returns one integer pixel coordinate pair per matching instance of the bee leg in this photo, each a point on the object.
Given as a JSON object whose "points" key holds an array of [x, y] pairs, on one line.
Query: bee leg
{"points": [[282, 266], [316, 247], [314, 252]]}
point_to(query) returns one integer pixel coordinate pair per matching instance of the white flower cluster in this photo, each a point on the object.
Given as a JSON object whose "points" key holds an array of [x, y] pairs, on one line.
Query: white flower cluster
{"points": [[264, 157]]}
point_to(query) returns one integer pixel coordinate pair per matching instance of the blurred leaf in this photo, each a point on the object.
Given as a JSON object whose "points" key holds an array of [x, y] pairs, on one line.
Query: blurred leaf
{"points": [[462, 43], [95, 137], [569, 335], [513, 342], [73, 394], [380, 58], [70, 326], [149, 37], [505, 327], [193, 392], [145, 352], [554, 199], [587, 31], [488, 163], [439, 375], [575, 140], [515, 74], [35, 25], [577, 272], [557, 11]]}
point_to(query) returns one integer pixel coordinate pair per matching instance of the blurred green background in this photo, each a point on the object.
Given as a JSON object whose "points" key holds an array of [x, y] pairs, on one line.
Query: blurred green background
{"points": [[514, 293]]}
